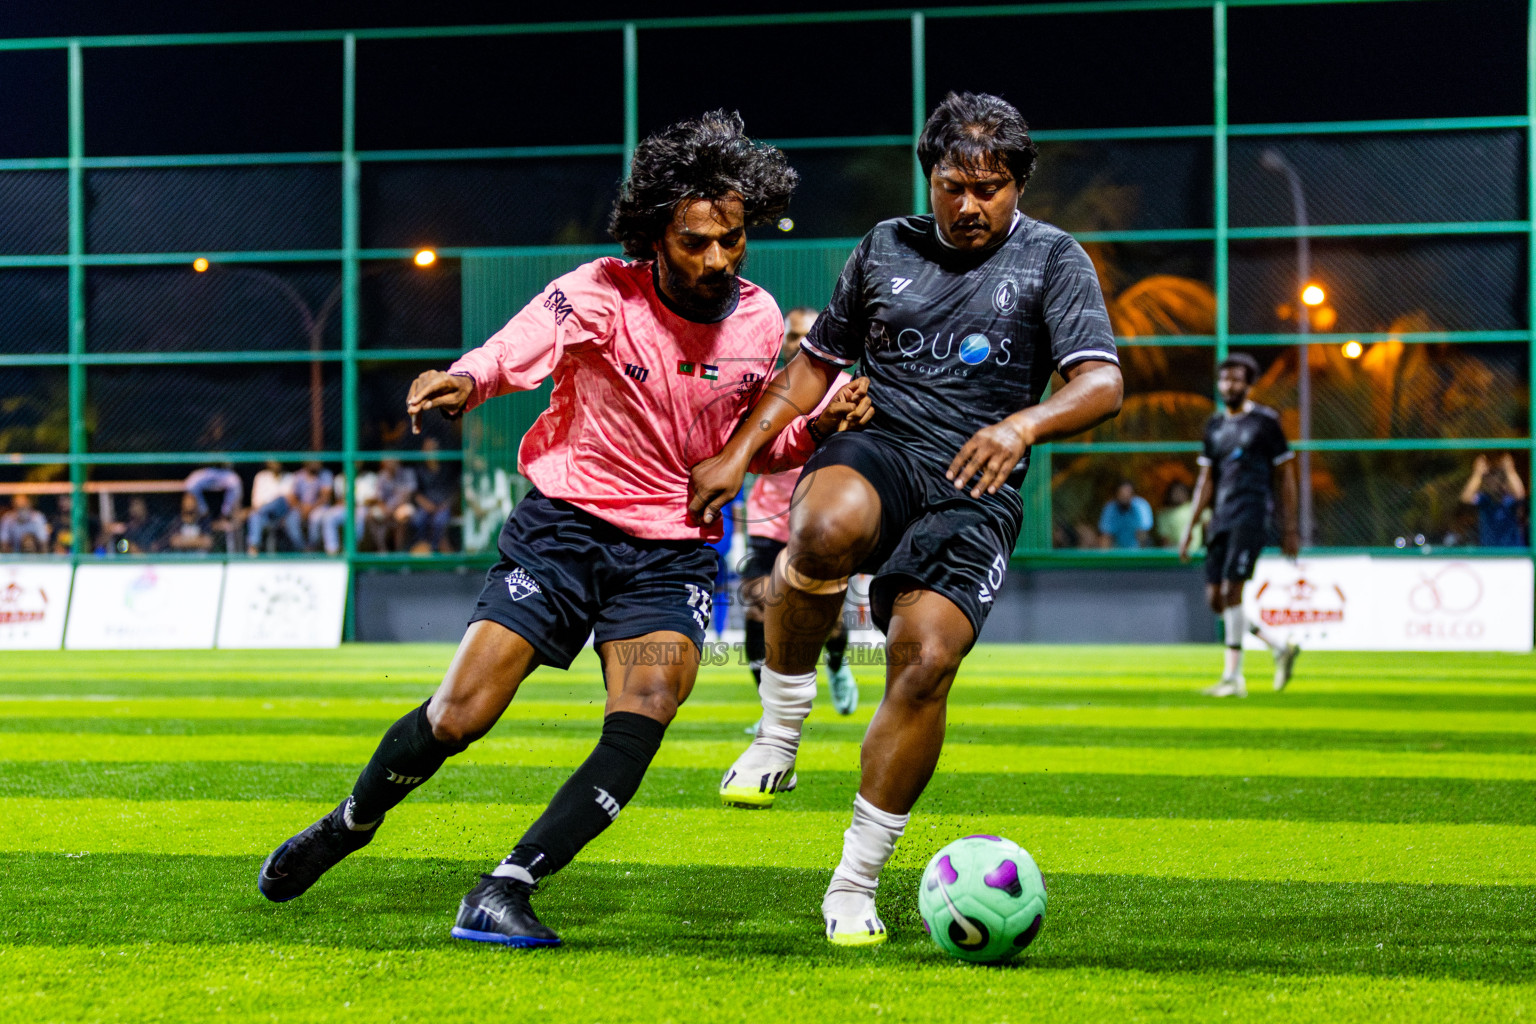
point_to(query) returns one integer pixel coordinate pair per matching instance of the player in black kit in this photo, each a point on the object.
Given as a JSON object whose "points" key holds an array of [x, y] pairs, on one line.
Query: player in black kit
{"points": [[959, 320], [1244, 447]]}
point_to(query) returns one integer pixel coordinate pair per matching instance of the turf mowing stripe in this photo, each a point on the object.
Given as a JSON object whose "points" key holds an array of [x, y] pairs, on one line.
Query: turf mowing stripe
{"points": [[263, 981], [815, 755], [1226, 715], [745, 915], [822, 726], [1399, 800], [1188, 848]]}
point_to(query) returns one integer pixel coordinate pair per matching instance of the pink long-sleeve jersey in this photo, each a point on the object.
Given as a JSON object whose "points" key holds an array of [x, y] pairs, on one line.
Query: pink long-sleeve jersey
{"points": [[641, 393]]}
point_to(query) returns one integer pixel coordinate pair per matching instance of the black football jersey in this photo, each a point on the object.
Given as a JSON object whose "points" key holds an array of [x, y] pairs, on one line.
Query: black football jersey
{"points": [[954, 341], [1242, 451]]}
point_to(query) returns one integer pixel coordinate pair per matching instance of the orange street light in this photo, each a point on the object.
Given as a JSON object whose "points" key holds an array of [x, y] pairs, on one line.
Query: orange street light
{"points": [[1313, 295], [200, 264], [425, 258], [1352, 349]]}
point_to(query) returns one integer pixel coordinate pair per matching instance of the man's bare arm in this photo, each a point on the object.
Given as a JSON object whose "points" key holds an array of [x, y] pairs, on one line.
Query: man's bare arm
{"points": [[1091, 395], [796, 391], [1290, 523], [1204, 489]]}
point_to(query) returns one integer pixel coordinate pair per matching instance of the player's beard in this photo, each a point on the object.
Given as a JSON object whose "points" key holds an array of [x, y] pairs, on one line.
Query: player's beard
{"points": [[709, 298]]}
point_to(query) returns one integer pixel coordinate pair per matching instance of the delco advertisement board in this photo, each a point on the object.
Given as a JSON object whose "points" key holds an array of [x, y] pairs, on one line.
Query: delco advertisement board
{"points": [[34, 602], [1395, 604]]}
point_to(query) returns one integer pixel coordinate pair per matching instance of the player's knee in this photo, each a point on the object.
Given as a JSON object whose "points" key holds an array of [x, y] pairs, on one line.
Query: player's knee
{"points": [[828, 546], [924, 675], [656, 700], [456, 725]]}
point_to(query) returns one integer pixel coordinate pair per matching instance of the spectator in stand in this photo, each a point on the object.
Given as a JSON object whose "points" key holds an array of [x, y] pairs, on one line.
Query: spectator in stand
{"points": [[1500, 501], [397, 498], [309, 489], [371, 521], [189, 531], [1178, 507], [272, 505], [138, 534], [63, 526], [326, 517], [24, 530], [216, 478], [1126, 520], [438, 486]]}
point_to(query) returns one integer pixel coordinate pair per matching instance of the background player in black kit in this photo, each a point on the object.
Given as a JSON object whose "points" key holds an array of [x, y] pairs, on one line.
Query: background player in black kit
{"points": [[959, 320], [1244, 449]]}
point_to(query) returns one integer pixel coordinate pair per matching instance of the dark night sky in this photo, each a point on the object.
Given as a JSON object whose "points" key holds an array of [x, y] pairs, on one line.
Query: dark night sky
{"points": [[1374, 60]]}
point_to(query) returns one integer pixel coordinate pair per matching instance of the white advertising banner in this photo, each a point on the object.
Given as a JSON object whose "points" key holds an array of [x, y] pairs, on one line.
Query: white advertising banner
{"points": [[1322, 603], [144, 606], [1442, 604], [1354, 603], [34, 600], [283, 604]]}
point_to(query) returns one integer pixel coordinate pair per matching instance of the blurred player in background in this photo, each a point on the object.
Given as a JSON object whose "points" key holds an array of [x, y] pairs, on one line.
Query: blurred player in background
{"points": [[768, 533], [959, 320], [1244, 450], [654, 363]]}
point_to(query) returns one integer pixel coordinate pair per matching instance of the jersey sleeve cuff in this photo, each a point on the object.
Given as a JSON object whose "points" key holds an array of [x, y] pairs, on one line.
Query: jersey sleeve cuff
{"points": [[1083, 355], [826, 357], [1285, 456]]}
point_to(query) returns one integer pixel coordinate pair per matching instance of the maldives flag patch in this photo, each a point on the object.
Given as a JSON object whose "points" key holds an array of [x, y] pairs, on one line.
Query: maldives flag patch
{"points": [[686, 369]]}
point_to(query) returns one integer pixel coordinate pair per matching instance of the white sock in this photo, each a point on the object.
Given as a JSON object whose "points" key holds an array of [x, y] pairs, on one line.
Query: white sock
{"points": [[1232, 619], [868, 844], [786, 702]]}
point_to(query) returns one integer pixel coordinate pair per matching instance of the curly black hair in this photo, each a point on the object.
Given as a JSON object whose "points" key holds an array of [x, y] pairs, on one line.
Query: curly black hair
{"points": [[974, 131], [710, 157]]}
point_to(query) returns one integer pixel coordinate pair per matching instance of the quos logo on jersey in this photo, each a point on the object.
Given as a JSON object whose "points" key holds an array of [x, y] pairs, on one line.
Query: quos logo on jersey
{"points": [[971, 349]]}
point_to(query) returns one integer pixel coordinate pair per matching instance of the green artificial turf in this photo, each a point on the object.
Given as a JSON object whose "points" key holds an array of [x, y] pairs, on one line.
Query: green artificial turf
{"points": [[1361, 847]]}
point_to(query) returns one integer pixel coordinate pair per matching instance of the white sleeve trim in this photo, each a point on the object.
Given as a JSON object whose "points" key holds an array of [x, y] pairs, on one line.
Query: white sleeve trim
{"points": [[1201, 460], [1084, 354], [825, 357], [1285, 456]]}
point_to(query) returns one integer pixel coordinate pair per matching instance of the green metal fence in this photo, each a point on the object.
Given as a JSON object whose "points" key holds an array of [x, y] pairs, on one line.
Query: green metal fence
{"points": [[1412, 365]]}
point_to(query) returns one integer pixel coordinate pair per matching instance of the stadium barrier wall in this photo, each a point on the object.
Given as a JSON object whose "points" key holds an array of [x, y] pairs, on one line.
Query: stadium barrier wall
{"points": [[149, 605]]}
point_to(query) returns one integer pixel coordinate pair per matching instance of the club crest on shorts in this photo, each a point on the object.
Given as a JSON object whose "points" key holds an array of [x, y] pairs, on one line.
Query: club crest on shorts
{"points": [[520, 584]]}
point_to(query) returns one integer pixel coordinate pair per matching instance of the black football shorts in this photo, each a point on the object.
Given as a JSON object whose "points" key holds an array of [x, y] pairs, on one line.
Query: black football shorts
{"points": [[1232, 551], [565, 573], [932, 536]]}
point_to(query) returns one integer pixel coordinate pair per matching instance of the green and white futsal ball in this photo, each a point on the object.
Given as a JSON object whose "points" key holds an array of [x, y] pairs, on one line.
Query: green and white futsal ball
{"points": [[982, 899]]}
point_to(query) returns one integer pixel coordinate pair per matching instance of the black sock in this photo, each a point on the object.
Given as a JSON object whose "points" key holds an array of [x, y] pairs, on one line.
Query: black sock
{"points": [[837, 644], [592, 798], [757, 650], [408, 755]]}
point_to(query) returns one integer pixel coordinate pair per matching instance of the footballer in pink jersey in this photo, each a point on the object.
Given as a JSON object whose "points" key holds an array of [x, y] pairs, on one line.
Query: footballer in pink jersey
{"points": [[768, 533], [654, 362]]}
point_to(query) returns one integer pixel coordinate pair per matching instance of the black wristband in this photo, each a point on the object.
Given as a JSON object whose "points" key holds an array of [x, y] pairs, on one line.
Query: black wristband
{"points": [[810, 428]]}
